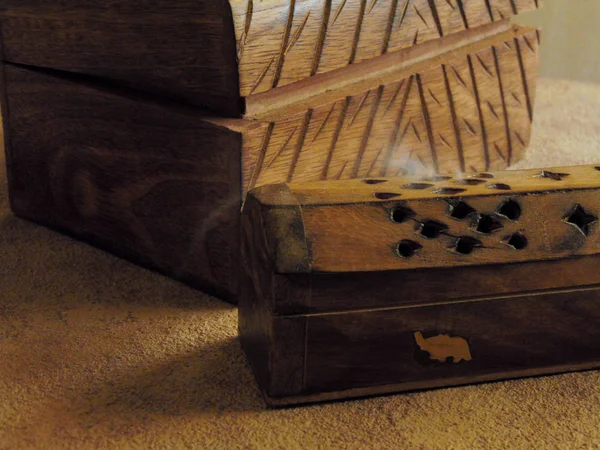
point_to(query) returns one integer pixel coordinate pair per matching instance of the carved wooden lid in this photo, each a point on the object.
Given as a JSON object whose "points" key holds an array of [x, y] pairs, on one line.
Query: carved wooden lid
{"points": [[381, 224], [217, 53]]}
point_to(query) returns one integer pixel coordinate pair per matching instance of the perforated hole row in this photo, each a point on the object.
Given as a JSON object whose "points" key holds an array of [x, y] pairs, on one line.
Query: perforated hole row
{"points": [[517, 241], [487, 224], [510, 209], [461, 210], [449, 191], [469, 182], [407, 248], [465, 245], [401, 214], [385, 195], [417, 186], [556, 176], [499, 187], [432, 229]]}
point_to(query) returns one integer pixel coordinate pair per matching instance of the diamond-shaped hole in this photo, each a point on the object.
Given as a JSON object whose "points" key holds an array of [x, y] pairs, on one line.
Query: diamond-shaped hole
{"points": [[407, 249], [371, 181], [417, 186], [449, 191], [401, 214], [483, 175], [510, 209], [487, 224], [432, 229], [581, 219], [461, 210], [465, 245], [517, 241], [385, 195], [556, 176], [499, 187], [469, 182]]}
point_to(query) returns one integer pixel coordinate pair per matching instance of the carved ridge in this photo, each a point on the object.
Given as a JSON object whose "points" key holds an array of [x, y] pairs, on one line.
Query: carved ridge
{"points": [[335, 138], [459, 144], [367, 133], [524, 79], [395, 133], [508, 158], [299, 144], [428, 125], [484, 134]]}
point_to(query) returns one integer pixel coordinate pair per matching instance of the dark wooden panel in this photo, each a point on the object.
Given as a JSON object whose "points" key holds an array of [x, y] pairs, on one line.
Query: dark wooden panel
{"points": [[153, 183], [339, 292], [288, 349], [183, 49], [361, 349]]}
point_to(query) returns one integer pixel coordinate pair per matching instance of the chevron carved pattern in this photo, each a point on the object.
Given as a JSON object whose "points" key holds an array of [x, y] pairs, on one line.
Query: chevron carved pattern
{"points": [[283, 41], [473, 113]]}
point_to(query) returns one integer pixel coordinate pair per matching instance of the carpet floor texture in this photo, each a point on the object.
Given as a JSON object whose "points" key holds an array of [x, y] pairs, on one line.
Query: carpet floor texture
{"points": [[98, 353]]}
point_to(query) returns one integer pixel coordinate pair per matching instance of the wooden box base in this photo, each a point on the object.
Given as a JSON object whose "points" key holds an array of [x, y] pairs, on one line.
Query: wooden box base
{"points": [[354, 288], [334, 355]]}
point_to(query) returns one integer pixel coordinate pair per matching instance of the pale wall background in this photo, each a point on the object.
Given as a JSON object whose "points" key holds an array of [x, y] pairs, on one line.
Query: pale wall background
{"points": [[570, 39]]}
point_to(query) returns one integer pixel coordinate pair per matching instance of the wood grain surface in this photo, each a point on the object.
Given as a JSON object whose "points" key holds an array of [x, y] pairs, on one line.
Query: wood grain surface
{"points": [[154, 183], [283, 41], [380, 347], [426, 222], [369, 333], [184, 50], [466, 111], [213, 53], [420, 344]]}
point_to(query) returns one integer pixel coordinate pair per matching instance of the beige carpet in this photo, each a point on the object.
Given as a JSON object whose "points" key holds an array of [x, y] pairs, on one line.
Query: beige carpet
{"points": [[98, 353]]}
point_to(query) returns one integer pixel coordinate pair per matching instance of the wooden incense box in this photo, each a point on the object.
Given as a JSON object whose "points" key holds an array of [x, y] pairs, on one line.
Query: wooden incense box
{"points": [[362, 287], [145, 123]]}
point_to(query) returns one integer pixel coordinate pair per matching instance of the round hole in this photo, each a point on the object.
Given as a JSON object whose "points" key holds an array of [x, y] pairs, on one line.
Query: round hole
{"points": [[407, 249], [556, 176], [402, 214], [461, 210], [483, 175], [487, 224], [469, 182], [499, 186], [370, 181], [465, 245], [417, 186], [449, 191], [510, 209], [518, 241], [385, 195], [432, 229]]}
